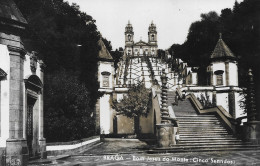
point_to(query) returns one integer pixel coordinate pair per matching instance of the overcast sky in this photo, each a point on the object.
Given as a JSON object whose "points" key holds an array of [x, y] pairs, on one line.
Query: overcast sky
{"points": [[172, 17]]}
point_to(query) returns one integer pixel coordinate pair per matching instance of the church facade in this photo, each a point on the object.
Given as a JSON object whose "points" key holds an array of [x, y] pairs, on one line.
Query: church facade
{"points": [[140, 48]]}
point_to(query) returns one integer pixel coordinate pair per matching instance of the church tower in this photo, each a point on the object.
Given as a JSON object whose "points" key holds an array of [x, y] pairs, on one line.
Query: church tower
{"points": [[152, 39], [129, 38]]}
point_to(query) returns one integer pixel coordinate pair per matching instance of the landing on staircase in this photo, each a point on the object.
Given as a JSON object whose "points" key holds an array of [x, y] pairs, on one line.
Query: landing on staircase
{"points": [[201, 133]]}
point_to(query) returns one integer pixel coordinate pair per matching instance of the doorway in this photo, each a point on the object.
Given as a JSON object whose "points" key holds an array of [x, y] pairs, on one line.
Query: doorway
{"points": [[29, 124]]}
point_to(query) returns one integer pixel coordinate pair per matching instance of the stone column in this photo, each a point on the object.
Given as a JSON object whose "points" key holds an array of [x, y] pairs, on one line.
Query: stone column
{"points": [[164, 108], [211, 75], [166, 133], [42, 140], [227, 73], [16, 145], [214, 96], [232, 102], [252, 125]]}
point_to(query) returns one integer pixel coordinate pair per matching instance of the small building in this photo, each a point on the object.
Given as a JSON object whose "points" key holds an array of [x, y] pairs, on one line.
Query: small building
{"points": [[104, 117], [21, 92]]}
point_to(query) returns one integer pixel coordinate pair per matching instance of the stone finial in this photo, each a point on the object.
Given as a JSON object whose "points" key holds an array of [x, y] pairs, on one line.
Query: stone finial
{"points": [[220, 35]]}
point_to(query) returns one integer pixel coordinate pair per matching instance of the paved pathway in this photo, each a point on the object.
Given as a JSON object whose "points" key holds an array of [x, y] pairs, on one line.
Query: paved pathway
{"points": [[119, 153]]}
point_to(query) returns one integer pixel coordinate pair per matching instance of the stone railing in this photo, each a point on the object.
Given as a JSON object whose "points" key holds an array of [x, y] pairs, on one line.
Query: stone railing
{"points": [[228, 120], [150, 68]]}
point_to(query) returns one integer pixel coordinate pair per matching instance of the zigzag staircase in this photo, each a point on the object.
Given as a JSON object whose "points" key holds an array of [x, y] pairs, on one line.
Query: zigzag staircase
{"points": [[201, 133]]}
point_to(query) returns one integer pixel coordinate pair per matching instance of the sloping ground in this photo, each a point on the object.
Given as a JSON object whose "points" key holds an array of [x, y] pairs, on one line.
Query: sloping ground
{"points": [[200, 133]]}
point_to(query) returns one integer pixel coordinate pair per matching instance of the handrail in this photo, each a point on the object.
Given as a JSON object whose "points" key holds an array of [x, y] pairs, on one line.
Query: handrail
{"points": [[223, 114], [179, 93]]}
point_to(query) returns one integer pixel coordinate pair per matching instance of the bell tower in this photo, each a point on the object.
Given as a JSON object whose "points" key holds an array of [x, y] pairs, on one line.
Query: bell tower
{"points": [[129, 39], [129, 33], [152, 38], [152, 34]]}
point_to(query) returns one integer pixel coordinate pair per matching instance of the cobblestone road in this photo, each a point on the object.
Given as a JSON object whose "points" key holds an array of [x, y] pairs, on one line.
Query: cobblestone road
{"points": [[130, 153]]}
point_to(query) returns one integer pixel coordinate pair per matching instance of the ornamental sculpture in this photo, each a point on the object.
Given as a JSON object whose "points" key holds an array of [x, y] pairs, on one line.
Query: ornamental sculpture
{"points": [[33, 61]]}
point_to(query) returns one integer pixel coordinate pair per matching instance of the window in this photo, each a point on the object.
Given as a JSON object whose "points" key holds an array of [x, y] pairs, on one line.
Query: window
{"points": [[105, 81], [105, 76], [152, 37], [219, 79]]}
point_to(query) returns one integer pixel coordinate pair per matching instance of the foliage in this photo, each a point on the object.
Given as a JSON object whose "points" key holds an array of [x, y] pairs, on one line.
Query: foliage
{"points": [[135, 103], [205, 100], [66, 40], [69, 114], [161, 54], [117, 55], [240, 27]]}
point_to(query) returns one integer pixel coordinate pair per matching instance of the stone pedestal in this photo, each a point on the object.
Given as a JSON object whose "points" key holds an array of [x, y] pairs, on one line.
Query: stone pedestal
{"points": [[42, 144], [166, 135], [16, 152], [253, 132]]}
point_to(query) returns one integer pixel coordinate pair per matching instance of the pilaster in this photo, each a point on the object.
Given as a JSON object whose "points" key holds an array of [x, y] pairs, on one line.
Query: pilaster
{"points": [[42, 140], [16, 145], [232, 103], [227, 73]]}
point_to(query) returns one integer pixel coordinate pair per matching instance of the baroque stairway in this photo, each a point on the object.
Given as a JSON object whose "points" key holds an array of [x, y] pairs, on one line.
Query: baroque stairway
{"points": [[201, 133]]}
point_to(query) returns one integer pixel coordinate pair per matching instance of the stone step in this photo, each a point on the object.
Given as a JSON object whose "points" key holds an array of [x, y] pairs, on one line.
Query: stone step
{"points": [[205, 136], [199, 122], [194, 118], [202, 134], [197, 116], [202, 149], [199, 128], [207, 132], [208, 141], [212, 146], [191, 131], [209, 126]]}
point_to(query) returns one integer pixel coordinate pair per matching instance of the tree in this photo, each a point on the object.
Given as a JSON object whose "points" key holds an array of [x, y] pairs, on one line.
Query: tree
{"points": [[116, 56], [67, 41], [68, 115], [134, 104], [240, 29]]}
